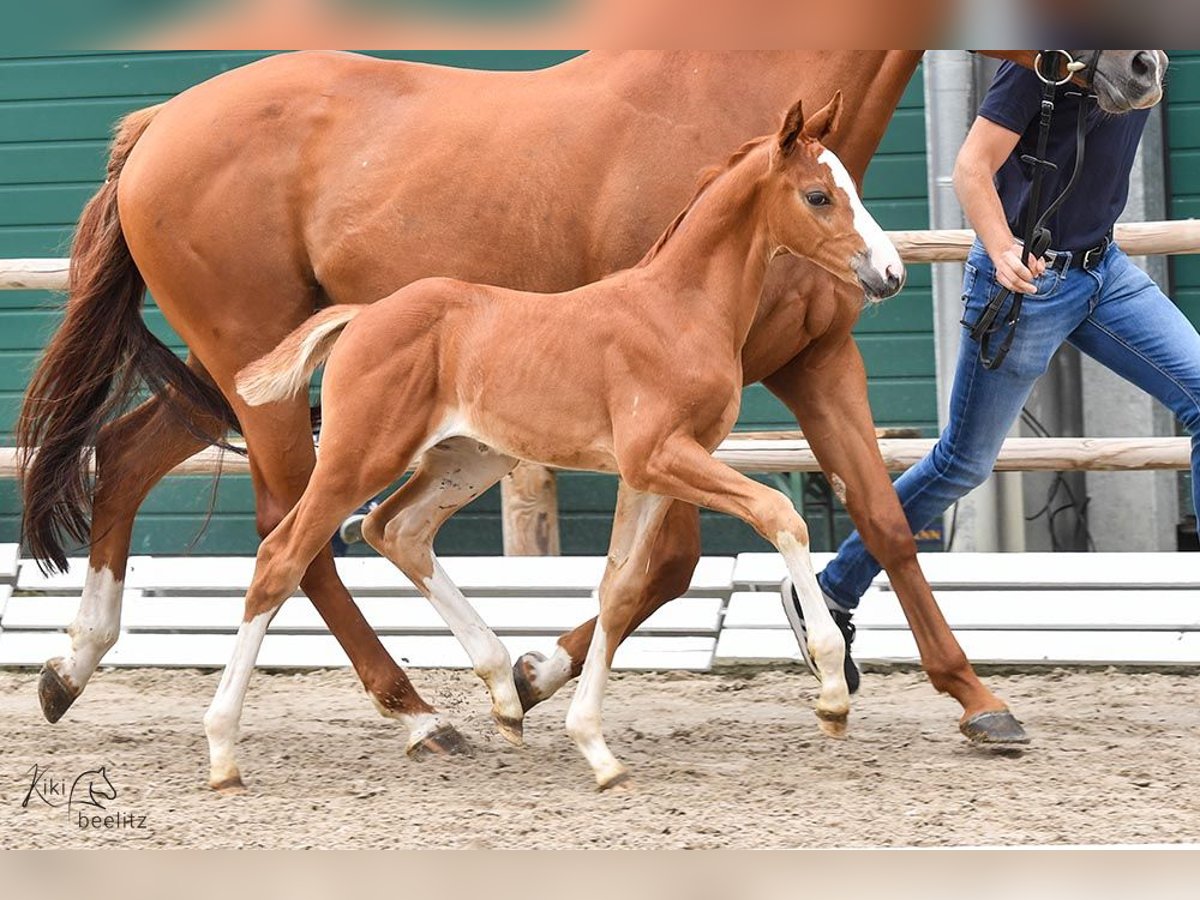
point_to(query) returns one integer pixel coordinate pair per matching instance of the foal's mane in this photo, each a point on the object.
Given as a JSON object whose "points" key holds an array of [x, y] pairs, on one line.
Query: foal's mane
{"points": [[707, 177]]}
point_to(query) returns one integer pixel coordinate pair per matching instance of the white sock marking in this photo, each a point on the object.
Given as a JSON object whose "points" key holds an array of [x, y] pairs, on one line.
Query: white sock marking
{"points": [[223, 718], [96, 627], [584, 716], [825, 643]]}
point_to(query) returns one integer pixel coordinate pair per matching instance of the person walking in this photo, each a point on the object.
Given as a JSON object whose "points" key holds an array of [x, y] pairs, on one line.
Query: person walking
{"points": [[1085, 292]]}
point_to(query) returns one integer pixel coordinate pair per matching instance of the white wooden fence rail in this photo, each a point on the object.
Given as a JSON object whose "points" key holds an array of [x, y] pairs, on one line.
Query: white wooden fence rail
{"points": [[899, 454], [1136, 238]]}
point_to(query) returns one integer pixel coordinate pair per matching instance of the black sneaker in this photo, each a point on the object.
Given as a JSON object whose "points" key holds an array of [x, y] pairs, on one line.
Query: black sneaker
{"points": [[843, 620], [351, 529]]}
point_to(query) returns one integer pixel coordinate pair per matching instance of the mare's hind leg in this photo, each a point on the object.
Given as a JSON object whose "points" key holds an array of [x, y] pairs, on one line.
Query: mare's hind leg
{"points": [[636, 522], [132, 454], [403, 529], [667, 574]]}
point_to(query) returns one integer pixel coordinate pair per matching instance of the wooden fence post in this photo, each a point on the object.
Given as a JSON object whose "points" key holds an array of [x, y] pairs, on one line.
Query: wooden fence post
{"points": [[529, 512]]}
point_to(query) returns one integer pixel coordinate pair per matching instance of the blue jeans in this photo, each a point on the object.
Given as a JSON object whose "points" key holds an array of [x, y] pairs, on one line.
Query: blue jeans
{"points": [[1115, 314]]}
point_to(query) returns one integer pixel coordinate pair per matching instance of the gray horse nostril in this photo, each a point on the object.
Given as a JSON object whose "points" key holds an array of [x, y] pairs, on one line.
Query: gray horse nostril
{"points": [[1143, 64]]}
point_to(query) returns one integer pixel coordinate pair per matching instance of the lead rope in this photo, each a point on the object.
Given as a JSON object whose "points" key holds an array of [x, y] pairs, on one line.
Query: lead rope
{"points": [[1037, 238]]}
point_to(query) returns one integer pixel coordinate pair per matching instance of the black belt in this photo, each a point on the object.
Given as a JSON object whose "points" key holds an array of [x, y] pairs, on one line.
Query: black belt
{"points": [[1080, 259]]}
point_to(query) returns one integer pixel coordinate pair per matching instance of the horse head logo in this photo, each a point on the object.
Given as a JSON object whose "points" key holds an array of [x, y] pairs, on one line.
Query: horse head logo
{"points": [[92, 788]]}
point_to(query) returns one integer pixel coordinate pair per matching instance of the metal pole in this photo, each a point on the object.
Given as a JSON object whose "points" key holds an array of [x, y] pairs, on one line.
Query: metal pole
{"points": [[990, 517]]}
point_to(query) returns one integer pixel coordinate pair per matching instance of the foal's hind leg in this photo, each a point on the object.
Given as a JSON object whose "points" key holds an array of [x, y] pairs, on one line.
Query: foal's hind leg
{"points": [[281, 461], [667, 574], [403, 529], [132, 454], [635, 525], [336, 489]]}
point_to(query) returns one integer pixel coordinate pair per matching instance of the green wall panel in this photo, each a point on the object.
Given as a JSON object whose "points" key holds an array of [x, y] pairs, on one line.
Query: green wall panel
{"points": [[55, 116], [1183, 141]]}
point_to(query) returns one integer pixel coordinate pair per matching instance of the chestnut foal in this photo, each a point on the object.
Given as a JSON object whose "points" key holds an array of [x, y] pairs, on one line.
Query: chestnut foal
{"points": [[639, 374]]}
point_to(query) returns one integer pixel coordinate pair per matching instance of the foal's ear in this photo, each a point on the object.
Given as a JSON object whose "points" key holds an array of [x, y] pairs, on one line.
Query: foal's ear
{"points": [[825, 121], [793, 127]]}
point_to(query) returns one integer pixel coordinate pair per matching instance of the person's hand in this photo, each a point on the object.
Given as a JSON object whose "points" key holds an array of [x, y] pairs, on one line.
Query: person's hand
{"points": [[1013, 274]]}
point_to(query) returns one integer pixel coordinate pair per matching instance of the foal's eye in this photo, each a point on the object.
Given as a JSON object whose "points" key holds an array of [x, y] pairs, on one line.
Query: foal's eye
{"points": [[817, 198]]}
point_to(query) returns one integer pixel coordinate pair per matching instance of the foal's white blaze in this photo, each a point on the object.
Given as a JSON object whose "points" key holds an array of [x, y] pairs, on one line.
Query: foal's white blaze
{"points": [[225, 711], [95, 629], [883, 253]]}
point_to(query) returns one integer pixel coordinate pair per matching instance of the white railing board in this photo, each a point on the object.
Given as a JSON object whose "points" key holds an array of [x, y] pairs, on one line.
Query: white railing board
{"points": [[5, 596], [764, 609], [31, 648], [765, 571], [1025, 571], [192, 574], [304, 651], [50, 613], [30, 578], [10, 562], [982, 647], [476, 576], [414, 615], [1066, 610], [1075, 571]]}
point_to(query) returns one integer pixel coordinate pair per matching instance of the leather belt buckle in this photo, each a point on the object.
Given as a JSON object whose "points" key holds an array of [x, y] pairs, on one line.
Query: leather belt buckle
{"points": [[1095, 256]]}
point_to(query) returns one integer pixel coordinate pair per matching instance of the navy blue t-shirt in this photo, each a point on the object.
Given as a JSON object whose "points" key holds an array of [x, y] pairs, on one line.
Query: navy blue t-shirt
{"points": [[1014, 101]]}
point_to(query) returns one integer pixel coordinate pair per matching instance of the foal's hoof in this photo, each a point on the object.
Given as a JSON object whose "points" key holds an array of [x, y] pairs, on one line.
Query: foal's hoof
{"points": [[523, 675], [229, 787], [54, 694], [998, 727], [832, 724], [512, 730], [446, 741], [618, 782]]}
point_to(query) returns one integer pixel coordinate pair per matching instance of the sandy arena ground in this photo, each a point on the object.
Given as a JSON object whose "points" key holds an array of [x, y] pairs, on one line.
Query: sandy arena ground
{"points": [[718, 760]]}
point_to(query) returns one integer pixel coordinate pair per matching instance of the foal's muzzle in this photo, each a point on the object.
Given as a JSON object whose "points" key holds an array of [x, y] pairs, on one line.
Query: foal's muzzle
{"points": [[877, 284]]}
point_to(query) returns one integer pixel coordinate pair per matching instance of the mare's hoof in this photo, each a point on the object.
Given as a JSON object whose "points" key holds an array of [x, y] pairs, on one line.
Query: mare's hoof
{"points": [[523, 672], [512, 730], [832, 724], [54, 694], [446, 741], [998, 727]]}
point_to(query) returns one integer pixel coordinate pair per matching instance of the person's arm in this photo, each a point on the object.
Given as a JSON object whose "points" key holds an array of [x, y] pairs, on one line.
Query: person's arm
{"points": [[986, 148]]}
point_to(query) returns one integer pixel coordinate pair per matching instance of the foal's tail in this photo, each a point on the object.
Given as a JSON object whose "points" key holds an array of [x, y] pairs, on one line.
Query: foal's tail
{"points": [[286, 370], [93, 369]]}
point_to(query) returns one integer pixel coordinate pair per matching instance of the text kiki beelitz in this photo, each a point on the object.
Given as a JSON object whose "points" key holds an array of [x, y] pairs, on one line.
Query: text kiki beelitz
{"points": [[85, 798]]}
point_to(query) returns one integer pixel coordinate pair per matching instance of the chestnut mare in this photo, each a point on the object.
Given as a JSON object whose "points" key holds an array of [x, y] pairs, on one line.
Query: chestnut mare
{"points": [[266, 193], [639, 374]]}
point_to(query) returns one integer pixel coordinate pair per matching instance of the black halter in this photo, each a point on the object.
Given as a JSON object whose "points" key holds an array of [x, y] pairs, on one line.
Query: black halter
{"points": [[1037, 238]]}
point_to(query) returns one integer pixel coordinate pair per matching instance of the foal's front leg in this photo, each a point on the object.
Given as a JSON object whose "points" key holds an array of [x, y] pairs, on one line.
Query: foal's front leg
{"points": [[683, 469], [637, 519]]}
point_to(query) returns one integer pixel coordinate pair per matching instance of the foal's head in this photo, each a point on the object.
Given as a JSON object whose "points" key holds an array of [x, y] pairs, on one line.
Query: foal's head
{"points": [[814, 211]]}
